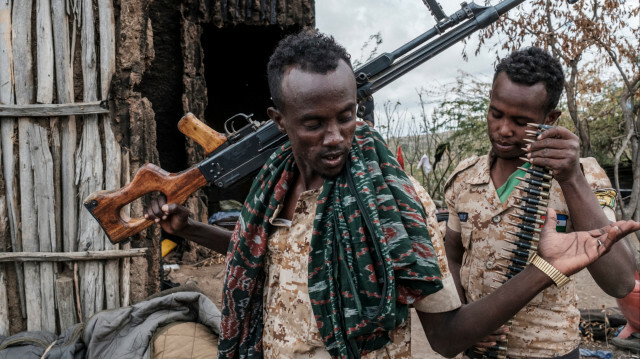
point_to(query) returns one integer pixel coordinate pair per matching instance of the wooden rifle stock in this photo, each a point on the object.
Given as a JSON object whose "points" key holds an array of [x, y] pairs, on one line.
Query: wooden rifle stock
{"points": [[106, 206]]}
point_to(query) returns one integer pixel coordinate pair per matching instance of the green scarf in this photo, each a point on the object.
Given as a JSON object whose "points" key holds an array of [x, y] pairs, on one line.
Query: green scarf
{"points": [[507, 188], [370, 257]]}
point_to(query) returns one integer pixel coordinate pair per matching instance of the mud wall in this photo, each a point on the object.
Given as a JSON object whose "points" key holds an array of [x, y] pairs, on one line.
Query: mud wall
{"points": [[135, 121], [166, 67]]}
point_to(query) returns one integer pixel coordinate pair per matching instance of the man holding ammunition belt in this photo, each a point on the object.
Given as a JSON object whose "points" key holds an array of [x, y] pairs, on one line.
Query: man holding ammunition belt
{"points": [[335, 242], [493, 208]]}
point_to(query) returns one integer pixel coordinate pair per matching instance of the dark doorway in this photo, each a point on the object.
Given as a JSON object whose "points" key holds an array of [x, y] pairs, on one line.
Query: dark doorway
{"points": [[235, 61], [235, 70], [162, 84]]}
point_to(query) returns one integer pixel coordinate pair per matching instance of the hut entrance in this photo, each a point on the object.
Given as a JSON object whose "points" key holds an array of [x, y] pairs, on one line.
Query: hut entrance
{"points": [[235, 61], [212, 64]]}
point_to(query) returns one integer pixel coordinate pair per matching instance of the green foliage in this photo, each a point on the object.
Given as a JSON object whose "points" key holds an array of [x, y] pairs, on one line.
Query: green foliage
{"points": [[455, 114], [606, 125]]}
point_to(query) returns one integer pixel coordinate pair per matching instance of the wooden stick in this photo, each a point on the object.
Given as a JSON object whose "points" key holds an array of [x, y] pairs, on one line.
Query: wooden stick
{"points": [[107, 27], [68, 135], [50, 110], [4, 303], [56, 155], [44, 43], [71, 256], [64, 301], [125, 271], [112, 148], [112, 181], [7, 139], [42, 160], [77, 287], [90, 171], [21, 30], [4, 234]]}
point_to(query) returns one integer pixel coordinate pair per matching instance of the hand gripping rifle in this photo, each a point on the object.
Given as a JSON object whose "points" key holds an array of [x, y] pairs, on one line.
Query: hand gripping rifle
{"points": [[239, 153]]}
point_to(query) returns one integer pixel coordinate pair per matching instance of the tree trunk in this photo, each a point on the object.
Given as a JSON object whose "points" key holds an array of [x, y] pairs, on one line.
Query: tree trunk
{"points": [[570, 86]]}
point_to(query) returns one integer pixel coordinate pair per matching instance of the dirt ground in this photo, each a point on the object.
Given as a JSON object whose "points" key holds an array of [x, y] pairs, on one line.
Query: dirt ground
{"points": [[209, 279]]}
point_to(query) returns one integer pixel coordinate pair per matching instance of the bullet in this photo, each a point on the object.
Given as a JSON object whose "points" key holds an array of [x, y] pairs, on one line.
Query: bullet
{"points": [[517, 252], [525, 227], [533, 133], [535, 173], [539, 126], [534, 192], [515, 260], [525, 236], [524, 245], [531, 209], [536, 183], [534, 201], [527, 219]]}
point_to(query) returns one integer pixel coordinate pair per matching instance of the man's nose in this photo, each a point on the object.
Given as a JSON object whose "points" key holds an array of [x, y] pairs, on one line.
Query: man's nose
{"points": [[333, 136], [504, 128]]}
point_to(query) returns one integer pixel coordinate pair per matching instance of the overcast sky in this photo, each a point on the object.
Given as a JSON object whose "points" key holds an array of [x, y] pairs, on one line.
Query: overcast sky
{"points": [[398, 21]]}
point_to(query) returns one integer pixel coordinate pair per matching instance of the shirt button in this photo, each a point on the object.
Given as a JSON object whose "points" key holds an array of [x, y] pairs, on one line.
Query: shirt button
{"points": [[496, 219], [489, 265]]}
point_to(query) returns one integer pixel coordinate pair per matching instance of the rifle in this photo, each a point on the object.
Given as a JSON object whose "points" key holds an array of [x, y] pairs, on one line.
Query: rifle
{"points": [[239, 153]]}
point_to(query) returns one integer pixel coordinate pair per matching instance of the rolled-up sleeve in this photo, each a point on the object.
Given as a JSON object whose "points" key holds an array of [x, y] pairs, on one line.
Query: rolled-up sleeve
{"points": [[447, 298]]}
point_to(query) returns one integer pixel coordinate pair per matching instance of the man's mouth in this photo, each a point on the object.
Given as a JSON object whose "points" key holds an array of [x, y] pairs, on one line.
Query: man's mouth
{"points": [[503, 146], [333, 159]]}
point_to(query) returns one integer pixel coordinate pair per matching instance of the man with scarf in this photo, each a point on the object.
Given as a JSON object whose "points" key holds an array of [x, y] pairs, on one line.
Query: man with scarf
{"points": [[483, 193], [333, 246]]}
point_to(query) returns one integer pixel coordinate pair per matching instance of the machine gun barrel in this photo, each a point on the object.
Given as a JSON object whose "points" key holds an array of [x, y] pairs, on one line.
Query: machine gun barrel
{"points": [[388, 67]]}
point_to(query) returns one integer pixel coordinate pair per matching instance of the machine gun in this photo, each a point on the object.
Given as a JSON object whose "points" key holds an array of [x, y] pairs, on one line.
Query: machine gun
{"points": [[241, 152]]}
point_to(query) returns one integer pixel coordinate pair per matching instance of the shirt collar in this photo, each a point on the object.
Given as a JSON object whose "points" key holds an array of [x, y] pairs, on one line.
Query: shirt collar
{"points": [[481, 172]]}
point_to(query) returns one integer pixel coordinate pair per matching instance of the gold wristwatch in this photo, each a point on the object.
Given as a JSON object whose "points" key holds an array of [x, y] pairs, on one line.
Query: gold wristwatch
{"points": [[558, 278]]}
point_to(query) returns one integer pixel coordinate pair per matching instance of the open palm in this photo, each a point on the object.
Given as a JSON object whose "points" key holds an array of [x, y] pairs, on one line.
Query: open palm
{"points": [[570, 252]]}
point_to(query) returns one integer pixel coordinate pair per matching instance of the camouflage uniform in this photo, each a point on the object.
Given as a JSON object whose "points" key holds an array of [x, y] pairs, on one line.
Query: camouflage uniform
{"points": [[548, 325], [290, 329]]}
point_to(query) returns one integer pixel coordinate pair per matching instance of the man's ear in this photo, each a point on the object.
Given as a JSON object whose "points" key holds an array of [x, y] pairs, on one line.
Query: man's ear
{"points": [[276, 116], [552, 117]]}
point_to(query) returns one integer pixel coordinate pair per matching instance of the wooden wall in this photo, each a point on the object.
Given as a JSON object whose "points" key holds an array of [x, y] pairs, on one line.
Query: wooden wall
{"points": [[73, 121], [58, 146]]}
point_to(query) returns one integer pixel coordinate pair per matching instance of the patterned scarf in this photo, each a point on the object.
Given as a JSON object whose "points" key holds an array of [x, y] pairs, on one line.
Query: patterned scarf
{"points": [[370, 257]]}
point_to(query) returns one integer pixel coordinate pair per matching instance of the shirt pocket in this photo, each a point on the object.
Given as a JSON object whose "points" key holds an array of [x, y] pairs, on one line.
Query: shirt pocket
{"points": [[466, 233]]}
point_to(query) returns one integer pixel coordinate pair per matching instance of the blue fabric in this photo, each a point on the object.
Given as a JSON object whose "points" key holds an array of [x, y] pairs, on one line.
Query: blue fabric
{"points": [[603, 354]]}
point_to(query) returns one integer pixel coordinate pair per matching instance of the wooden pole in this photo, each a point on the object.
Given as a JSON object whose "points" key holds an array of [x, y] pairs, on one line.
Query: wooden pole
{"points": [[44, 41], [112, 181], [107, 30], [71, 256], [64, 302], [42, 160], [44, 204], [89, 171], [68, 136], [112, 148], [125, 270], [7, 135], [50, 110], [4, 303], [21, 30], [4, 234]]}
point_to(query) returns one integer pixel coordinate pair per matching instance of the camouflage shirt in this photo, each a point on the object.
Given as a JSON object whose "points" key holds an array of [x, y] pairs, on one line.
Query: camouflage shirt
{"points": [[290, 329], [548, 325]]}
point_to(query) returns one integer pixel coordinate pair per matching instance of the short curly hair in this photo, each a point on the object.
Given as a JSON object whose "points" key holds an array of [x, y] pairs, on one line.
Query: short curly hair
{"points": [[531, 65], [309, 50]]}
